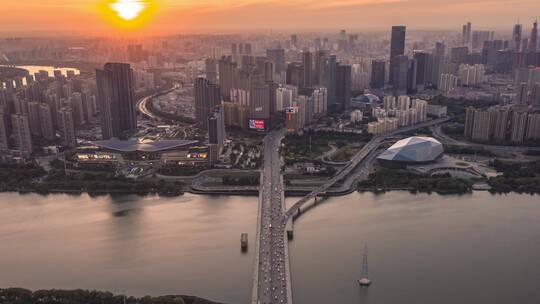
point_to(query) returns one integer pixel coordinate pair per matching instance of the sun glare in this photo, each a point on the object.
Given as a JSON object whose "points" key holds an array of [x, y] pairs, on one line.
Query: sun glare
{"points": [[128, 9], [127, 14]]}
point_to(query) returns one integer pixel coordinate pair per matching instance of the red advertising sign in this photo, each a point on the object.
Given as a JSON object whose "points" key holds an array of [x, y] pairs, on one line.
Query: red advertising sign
{"points": [[256, 124]]}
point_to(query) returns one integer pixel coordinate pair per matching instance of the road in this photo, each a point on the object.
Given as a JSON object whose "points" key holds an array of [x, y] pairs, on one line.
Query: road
{"points": [[272, 278], [142, 104], [439, 134]]}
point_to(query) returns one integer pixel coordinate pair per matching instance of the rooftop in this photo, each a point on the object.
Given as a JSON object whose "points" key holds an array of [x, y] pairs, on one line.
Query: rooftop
{"points": [[142, 146]]}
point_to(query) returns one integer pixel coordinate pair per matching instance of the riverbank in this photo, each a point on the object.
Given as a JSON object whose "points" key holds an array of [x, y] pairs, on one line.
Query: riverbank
{"points": [[80, 296]]}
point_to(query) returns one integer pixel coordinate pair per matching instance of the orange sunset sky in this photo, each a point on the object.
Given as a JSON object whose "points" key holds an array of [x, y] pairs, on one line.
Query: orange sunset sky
{"points": [[46, 17]]}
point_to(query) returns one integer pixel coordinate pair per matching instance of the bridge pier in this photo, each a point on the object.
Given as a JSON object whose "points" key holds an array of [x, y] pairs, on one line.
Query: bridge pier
{"points": [[290, 229]]}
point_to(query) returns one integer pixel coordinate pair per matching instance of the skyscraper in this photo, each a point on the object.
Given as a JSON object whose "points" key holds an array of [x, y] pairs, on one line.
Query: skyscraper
{"points": [[216, 133], [67, 127], [21, 134], [401, 73], [518, 127], [516, 37], [423, 68], [227, 77], [330, 76], [320, 100], [343, 87], [278, 57], [320, 66], [216, 126], [116, 99], [377, 74], [466, 35], [533, 43], [259, 100], [307, 62], [33, 118], [207, 96], [4, 144], [295, 74], [210, 66], [397, 48], [46, 121]]}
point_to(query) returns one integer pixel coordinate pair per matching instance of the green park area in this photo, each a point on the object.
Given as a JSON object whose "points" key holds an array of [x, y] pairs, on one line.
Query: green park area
{"points": [[311, 147]]}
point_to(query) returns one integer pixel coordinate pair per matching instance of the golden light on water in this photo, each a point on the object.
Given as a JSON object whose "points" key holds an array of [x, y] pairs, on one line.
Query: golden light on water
{"points": [[127, 14]]}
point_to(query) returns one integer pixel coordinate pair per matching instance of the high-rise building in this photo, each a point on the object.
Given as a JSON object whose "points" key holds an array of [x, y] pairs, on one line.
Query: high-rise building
{"points": [[320, 100], [343, 87], [533, 43], [207, 96], [235, 115], [210, 66], [412, 74], [76, 104], [397, 48], [518, 127], [469, 122], [284, 97], [466, 35], [4, 143], [21, 134], [360, 76], [401, 72], [227, 76], [320, 67], [423, 68], [421, 109], [447, 82], [294, 40], [377, 74], [216, 126], [534, 96], [481, 130], [278, 57], [471, 75], [295, 74], [459, 54], [478, 38], [522, 95], [516, 38], [307, 63], [330, 78], [33, 118], [266, 67], [259, 101], [46, 121], [499, 119], [533, 127], [116, 99], [67, 127]]}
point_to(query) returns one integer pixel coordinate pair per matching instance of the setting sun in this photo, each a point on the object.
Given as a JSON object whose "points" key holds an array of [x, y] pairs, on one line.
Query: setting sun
{"points": [[128, 9], [127, 14]]}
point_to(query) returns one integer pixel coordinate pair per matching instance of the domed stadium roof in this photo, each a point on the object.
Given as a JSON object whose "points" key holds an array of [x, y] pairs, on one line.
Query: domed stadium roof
{"points": [[367, 98], [413, 150]]}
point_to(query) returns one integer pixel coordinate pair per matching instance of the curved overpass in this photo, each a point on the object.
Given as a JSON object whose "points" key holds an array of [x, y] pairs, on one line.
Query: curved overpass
{"points": [[142, 104]]}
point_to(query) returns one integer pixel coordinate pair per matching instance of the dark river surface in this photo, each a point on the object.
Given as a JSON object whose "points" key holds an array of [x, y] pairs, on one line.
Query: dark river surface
{"points": [[478, 248]]}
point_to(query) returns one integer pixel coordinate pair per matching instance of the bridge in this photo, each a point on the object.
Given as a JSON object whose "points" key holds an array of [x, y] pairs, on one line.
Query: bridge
{"points": [[272, 278]]}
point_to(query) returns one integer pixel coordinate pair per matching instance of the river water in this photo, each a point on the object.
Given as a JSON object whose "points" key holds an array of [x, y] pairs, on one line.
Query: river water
{"points": [[477, 248]]}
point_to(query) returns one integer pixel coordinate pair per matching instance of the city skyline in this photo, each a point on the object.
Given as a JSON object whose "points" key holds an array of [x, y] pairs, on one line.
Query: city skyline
{"points": [[87, 17]]}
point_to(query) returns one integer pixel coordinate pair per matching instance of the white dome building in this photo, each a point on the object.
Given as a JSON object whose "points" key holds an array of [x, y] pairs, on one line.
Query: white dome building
{"points": [[413, 150]]}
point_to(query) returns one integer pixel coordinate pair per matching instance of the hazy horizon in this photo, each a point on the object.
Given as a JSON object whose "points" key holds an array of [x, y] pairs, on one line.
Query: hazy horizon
{"points": [[35, 18]]}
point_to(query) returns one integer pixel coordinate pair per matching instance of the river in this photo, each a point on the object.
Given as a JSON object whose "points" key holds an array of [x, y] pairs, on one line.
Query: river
{"points": [[477, 248]]}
